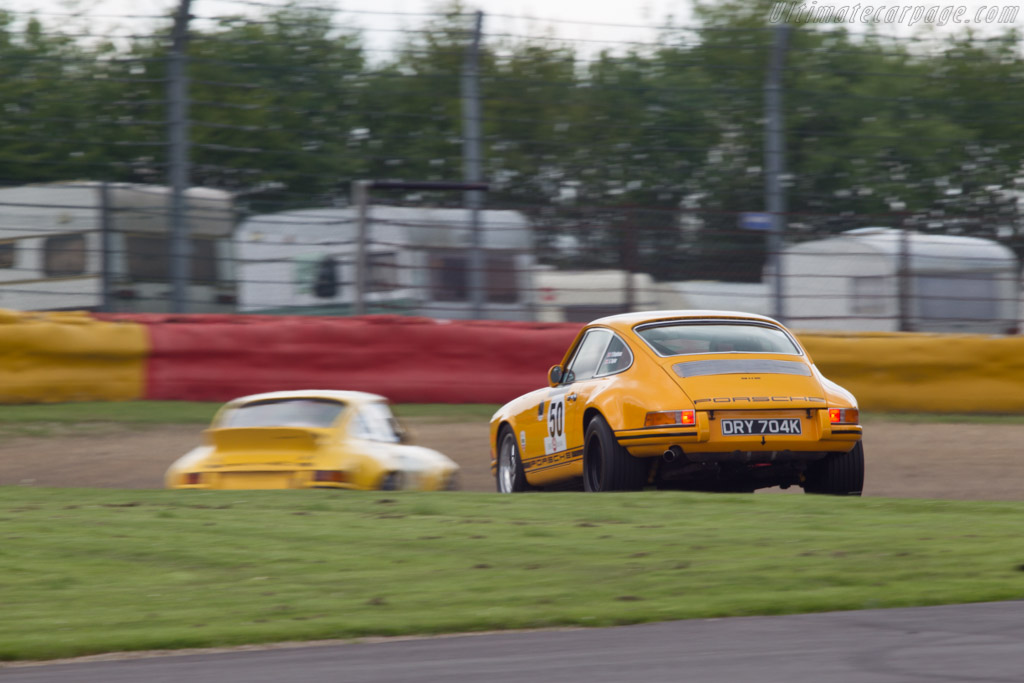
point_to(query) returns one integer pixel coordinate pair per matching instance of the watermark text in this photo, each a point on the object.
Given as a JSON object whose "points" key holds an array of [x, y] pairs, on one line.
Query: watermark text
{"points": [[816, 12]]}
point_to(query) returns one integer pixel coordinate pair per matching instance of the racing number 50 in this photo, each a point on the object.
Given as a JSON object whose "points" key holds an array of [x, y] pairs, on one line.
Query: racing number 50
{"points": [[555, 440], [556, 419]]}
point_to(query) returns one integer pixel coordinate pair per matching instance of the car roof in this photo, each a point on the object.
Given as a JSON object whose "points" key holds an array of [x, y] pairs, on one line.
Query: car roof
{"points": [[627, 321], [333, 394]]}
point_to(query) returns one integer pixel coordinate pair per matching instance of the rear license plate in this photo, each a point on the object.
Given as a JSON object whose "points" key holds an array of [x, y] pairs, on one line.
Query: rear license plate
{"points": [[787, 426]]}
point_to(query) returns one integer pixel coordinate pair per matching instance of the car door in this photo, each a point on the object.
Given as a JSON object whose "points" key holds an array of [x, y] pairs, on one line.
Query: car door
{"points": [[565, 414], [537, 451], [551, 449]]}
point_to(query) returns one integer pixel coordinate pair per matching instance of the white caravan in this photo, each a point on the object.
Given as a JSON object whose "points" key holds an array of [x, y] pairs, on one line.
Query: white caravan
{"points": [[105, 246], [303, 262], [867, 279]]}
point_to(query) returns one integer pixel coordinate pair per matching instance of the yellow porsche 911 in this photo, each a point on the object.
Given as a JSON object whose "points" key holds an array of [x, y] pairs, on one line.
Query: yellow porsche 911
{"points": [[310, 439], [700, 400]]}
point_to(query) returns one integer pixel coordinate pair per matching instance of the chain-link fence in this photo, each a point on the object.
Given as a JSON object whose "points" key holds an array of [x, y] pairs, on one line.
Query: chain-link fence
{"points": [[207, 162]]}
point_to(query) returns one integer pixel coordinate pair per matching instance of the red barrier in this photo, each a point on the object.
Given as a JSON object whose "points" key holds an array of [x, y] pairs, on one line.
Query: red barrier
{"points": [[409, 360]]}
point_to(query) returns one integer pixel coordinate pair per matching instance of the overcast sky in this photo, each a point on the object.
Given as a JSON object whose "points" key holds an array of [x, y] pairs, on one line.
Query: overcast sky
{"points": [[599, 21]]}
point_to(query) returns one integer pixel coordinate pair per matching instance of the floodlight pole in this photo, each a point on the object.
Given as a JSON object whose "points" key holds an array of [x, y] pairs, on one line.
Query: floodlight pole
{"points": [[774, 161], [903, 282], [472, 172], [177, 110]]}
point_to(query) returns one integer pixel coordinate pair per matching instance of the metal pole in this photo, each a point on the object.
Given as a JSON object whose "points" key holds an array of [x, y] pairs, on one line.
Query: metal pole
{"points": [[903, 284], [106, 258], [628, 263], [177, 109], [471, 156], [360, 199], [774, 161]]}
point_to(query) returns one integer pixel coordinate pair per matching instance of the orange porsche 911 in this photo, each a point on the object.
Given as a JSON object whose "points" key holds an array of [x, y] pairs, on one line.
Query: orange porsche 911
{"points": [[700, 400]]}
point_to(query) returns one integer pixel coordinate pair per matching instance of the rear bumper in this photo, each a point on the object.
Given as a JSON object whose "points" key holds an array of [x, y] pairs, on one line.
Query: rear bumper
{"points": [[258, 480], [706, 438]]}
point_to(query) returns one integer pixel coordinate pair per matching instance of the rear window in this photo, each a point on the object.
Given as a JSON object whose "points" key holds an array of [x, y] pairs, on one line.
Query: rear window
{"points": [[681, 338], [292, 412]]}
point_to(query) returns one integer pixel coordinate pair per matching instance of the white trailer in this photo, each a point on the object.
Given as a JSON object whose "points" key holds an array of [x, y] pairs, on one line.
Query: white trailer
{"points": [[583, 295], [871, 278], [418, 262], [749, 297], [91, 245]]}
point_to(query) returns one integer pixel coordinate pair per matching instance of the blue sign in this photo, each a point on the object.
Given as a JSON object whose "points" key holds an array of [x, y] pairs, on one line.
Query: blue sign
{"points": [[756, 221]]}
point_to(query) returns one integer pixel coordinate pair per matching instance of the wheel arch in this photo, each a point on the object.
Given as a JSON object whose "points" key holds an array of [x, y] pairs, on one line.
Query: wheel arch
{"points": [[589, 414], [504, 424]]}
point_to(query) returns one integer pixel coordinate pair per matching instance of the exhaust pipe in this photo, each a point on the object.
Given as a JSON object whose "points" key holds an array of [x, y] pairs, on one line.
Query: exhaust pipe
{"points": [[672, 454]]}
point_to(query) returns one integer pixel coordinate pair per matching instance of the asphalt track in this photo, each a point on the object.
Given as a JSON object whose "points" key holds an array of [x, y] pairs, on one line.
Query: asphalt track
{"points": [[958, 643]]}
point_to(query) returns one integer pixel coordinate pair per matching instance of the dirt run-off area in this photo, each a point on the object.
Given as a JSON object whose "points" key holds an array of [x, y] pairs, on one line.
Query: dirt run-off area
{"points": [[976, 461]]}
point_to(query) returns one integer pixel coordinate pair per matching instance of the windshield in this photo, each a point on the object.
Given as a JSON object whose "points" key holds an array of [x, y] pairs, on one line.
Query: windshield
{"points": [[289, 412], [680, 338]]}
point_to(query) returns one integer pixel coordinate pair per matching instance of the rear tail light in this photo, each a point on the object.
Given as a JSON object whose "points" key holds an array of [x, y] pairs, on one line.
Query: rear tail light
{"points": [[671, 417], [227, 299], [331, 476], [192, 478], [843, 415], [124, 294]]}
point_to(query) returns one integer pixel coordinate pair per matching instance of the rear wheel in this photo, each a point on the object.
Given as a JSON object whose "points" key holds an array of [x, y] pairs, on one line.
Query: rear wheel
{"points": [[607, 466], [392, 481], [838, 474], [511, 477]]}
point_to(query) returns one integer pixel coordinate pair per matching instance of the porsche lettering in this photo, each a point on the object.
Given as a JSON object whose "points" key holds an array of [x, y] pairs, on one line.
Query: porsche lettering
{"points": [[759, 399]]}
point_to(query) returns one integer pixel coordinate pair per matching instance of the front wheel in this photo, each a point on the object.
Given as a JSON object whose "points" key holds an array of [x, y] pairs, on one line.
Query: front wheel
{"points": [[607, 466], [511, 477], [838, 474]]}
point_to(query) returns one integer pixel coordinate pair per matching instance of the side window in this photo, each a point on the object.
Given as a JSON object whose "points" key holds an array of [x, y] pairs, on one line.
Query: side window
{"points": [[359, 427], [7, 255], [204, 261], [589, 355], [147, 258], [617, 357], [500, 275], [325, 285], [64, 255], [375, 422], [449, 277], [383, 272]]}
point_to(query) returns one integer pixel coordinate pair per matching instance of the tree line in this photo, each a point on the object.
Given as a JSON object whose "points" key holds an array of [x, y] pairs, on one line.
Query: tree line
{"points": [[641, 156]]}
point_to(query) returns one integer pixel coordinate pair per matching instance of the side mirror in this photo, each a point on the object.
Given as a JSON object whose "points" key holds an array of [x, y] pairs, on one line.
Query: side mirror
{"points": [[555, 375]]}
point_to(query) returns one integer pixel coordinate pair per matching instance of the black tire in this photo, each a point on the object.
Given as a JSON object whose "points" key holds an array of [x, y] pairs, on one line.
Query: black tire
{"points": [[511, 478], [607, 466], [392, 481], [838, 474]]}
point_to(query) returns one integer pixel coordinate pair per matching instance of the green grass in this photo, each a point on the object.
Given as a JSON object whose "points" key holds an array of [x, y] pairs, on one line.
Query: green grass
{"points": [[87, 571], [190, 412], [63, 419], [127, 412]]}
